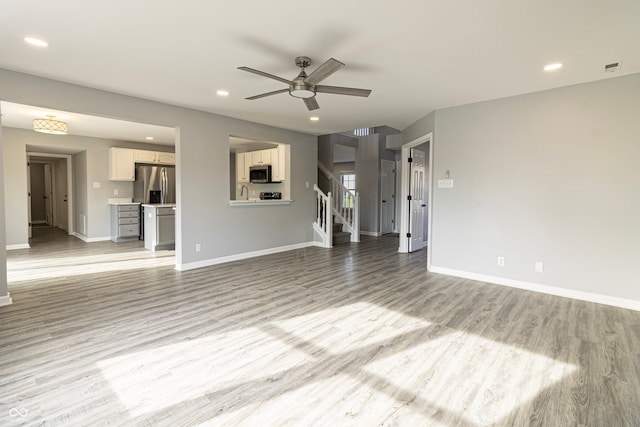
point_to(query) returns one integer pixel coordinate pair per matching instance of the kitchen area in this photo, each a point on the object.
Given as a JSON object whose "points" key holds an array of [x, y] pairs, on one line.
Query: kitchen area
{"points": [[259, 172], [150, 214]]}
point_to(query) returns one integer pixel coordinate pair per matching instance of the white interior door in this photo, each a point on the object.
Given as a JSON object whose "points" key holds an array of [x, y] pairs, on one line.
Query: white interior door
{"points": [[29, 196], [417, 202], [387, 196]]}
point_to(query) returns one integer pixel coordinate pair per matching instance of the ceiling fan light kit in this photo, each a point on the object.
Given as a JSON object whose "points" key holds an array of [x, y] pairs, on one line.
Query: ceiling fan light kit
{"points": [[306, 86]]}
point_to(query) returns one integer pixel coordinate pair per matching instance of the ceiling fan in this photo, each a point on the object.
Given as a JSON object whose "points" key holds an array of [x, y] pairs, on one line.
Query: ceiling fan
{"points": [[306, 86]]}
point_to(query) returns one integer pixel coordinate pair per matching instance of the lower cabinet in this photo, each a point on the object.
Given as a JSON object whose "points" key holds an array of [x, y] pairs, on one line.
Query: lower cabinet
{"points": [[125, 222], [159, 227]]}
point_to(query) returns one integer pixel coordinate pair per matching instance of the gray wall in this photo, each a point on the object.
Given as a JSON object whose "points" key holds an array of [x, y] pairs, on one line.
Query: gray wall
{"points": [[368, 181], [80, 187], [93, 203], [202, 151], [422, 127], [551, 176], [36, 176], [4, 290]]}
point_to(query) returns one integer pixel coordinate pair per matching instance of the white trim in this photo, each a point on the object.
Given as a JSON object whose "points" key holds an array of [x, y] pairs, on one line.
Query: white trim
{"points": [[545, 289], [237, 257], [18, 246], [90, 239], [371, 233], [5, 300], [70, 199]]}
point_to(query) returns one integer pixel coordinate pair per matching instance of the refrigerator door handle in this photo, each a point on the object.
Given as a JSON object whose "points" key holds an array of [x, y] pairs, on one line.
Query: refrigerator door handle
{"points": [[163, 188]]}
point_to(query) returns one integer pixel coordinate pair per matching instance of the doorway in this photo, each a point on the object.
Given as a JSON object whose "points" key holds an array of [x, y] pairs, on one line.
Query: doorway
{"points": [[49, 191], [424, 228]]}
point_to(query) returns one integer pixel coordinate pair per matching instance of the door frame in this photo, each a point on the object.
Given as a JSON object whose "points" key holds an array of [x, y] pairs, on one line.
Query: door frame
{"points": [[393, 196], [70, 210], [404, 192]]}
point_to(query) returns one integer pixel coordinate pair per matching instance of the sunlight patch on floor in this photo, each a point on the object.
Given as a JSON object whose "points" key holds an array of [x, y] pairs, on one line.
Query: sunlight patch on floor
{"points": [[18, 271], [160, 377], [357, 361], [499, 378], [358, 324]]}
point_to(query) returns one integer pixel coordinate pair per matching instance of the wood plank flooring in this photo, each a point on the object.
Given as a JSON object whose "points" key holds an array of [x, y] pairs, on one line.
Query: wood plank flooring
{"points": [[110, 334]]}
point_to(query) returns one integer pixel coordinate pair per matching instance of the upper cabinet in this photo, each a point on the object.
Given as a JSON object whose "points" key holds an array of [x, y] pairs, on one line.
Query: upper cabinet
{"points": [[243, 161], [262, 157], [144, 156], [122, 161], [278, 163], [121, 164]]}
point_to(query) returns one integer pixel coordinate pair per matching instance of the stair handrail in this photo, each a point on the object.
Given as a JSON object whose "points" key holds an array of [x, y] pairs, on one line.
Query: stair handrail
{"points": [[348, 215], [323, 223]]}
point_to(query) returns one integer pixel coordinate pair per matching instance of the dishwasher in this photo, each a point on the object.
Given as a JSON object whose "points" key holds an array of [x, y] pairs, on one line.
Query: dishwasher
{"points": [[159, 227]]}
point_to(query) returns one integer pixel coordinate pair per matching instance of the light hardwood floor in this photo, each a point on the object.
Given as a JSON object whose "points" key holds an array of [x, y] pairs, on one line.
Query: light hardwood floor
{"points": [[111, 334]]}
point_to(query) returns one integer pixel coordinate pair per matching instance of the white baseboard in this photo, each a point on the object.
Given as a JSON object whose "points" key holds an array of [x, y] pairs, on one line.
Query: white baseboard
{"points": [[90, 239], [5, 300], [370, 233], [545, 289], [19, 246], [237, 257]]}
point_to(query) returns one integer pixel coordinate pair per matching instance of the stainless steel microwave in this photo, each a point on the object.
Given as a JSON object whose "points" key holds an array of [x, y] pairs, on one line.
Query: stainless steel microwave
{"points": [[260, 174]]}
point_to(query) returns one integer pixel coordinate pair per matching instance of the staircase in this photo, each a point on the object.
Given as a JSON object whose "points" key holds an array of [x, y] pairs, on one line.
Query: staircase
{"points": [[338, 235], [336, 221]]}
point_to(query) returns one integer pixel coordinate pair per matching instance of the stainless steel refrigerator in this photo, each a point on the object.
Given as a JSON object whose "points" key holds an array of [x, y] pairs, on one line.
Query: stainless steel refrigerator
{"points": [[154, 184]]}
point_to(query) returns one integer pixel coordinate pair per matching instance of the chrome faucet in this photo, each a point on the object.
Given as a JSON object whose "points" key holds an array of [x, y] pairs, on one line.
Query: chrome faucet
{"points": [[242, 191]]}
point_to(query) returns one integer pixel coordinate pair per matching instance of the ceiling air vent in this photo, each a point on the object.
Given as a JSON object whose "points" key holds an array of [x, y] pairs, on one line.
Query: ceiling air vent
{"points": [[613, 67]]}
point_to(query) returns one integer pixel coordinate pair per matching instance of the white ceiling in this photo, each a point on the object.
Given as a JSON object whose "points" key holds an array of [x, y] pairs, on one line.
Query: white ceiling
{"points": [[416, 55]]}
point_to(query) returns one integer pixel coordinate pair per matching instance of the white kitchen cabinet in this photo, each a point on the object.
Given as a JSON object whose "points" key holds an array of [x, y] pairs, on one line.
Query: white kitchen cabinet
{"points": [[262, 157], [121, 164], [154, 157], [243, 161], [165, 158], [278, 163]]}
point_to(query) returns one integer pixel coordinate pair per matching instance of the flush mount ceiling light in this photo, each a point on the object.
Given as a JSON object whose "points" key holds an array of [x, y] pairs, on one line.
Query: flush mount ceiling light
{"points": [[36, 42], [314, 118], [553, 67], [222, 93], [50, 126]]}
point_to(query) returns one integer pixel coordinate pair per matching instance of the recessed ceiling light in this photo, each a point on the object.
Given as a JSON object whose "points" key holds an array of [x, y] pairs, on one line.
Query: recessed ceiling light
{"points": [[36, 42], [148, 138], [552, 67], [314, 118], [222, 93]]}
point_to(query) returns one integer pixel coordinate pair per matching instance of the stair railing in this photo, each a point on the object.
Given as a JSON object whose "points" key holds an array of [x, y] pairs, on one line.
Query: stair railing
{"points": [[323, 223], [345, 204]]}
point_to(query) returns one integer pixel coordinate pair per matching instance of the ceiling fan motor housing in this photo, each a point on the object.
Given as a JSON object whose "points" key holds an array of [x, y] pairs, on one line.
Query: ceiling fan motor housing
{"points": [[300, 89]]}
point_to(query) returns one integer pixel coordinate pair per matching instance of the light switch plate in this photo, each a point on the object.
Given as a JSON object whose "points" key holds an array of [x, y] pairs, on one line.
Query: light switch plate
{"points": [[445, 183], [96, 185]]}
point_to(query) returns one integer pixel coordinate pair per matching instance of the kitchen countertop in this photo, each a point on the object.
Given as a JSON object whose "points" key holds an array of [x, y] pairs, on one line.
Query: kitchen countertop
{"points": [[122, 202], [158, 205], [258, 202]]}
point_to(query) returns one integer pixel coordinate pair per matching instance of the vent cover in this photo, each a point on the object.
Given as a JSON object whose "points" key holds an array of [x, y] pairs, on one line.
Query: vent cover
{"points": [[613, 67]]}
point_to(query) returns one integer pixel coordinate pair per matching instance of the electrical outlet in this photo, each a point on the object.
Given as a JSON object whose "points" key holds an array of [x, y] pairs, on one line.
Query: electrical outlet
{"points": [[198, 247], [96, 185], [501, 261], [115, 191], [539, 267]]}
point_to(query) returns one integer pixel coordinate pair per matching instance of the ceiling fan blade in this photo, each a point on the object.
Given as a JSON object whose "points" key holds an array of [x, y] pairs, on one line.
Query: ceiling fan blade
{"points": [[262, 73], [262, 95], [351, 91], [322, 72], [311, 103]]}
